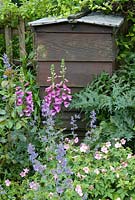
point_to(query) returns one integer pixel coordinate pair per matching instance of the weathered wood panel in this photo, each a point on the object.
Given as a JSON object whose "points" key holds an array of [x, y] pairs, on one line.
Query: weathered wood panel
{"points": [[8, 42], [74, 47], [21, 31], [79, 74], [72, 28]]}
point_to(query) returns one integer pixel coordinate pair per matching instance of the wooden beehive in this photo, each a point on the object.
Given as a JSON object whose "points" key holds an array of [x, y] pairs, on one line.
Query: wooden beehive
{"points": [[87, 45]]}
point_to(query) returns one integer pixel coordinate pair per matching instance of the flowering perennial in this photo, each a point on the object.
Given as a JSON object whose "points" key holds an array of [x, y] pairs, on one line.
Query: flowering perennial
{"points": [[24, 99], [57, 95]]}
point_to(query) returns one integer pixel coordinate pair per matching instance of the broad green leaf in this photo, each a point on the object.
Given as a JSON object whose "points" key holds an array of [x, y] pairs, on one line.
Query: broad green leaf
{"points": [[18, 125], [4, 84], [9, 124], [2, 112]]}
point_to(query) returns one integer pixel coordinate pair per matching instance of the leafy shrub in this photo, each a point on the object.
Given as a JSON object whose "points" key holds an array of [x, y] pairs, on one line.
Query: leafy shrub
{"points": [[66, 171], [112, 97], [15, 126]]}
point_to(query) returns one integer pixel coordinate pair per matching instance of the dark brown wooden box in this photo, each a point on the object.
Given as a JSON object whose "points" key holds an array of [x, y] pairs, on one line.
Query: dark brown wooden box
{"points": [[87, 45]]}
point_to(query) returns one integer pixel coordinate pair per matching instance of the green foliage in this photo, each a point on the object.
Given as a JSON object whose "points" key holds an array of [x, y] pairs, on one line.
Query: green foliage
{"points": [[107, 173], [15, 130], [113, 99], [30, 10]]}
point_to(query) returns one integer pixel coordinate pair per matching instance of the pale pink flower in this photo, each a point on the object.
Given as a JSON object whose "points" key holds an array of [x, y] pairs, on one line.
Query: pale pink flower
{"points": [[103, 170], [129, 156], [7, 182], [22, 174], [98, 156], [104, 149], [112, 168], [50, 195], [84, 148], [117, 145], [66, 146], [55, 176], [78, 189], [26, 170], [67, 140], [124, 164], [91, 187], [108, 144], [76, 140], [86, 170], [123, 141], [80, 176], [96, 171], [117, 175]]}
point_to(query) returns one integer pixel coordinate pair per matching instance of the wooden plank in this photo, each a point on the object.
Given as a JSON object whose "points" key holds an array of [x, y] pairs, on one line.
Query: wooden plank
{"points": [[72, 28], [79, 74], [21, 31], [8, 41], [74, 47]]}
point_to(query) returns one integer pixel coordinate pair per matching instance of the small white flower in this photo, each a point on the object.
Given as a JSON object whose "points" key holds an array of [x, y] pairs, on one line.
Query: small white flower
{"points": [[84, 148], [78, 189], [129, 156], [98, 155], [123, 141], [86, 170], [112, 168], [108, 144], [96, 171], [104, 149], [7, 182], [117, 175], [117, 145]]}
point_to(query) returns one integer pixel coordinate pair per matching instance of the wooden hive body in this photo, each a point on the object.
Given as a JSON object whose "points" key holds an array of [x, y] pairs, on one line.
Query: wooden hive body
{"points": [[86, 44]]}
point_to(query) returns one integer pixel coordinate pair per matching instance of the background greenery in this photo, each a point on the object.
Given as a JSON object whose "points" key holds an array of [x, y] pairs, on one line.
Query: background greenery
{"points": [[29, 10], [111, 97]]}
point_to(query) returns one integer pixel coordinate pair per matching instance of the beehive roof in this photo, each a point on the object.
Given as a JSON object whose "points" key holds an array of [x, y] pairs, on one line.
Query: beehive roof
{"points": [[93, 18]]}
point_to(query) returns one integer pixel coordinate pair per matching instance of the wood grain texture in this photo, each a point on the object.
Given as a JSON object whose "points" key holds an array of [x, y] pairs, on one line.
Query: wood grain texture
{"points": [[74, 47], [79, 74], [73, 28]]}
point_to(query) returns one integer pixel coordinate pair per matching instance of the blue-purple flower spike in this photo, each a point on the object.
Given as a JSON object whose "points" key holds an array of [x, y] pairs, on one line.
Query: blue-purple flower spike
{"points": [[6, 60], [93, 119]]}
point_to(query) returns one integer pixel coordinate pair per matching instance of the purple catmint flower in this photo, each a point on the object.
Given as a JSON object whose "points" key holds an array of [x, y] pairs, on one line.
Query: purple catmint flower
{"points": [[33, 185], [32, 154], [37, 166], [2, 191], [68, 183], [4, 98], [68, 171], [5, 76], [59, 190], [6, 60], [73, 123], [93, 119]]}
